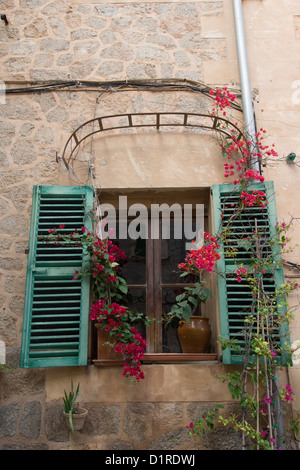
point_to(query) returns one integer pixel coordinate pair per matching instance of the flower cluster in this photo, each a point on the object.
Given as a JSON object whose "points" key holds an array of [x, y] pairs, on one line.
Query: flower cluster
{"points": [[133, 353], [222, 99], [239, 151], [255, 198], [106, 259], [263, 150], [198, 261], [249, 174], [281, 230], [202, 259], [239, 167], [287, 394], [117, 321], [239, 273]]}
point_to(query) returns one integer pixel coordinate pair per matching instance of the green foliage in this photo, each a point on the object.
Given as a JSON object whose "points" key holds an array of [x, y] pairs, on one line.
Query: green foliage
{"points": [[188, 301], [69, 402], [262, 340], [247, 430], [206, 422]]}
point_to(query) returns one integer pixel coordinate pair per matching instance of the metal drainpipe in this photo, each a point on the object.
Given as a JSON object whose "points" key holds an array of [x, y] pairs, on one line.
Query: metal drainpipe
{"points": [[249, 118]]}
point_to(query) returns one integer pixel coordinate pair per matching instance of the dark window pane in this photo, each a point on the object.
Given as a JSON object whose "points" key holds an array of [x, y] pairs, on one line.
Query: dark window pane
{"points": [[134, 269], [169, 333], [173, 252], [135, 301]]}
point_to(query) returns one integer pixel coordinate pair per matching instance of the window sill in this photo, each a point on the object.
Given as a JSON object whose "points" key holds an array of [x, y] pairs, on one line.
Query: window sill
{"points": [[162, 358], [179, 357]]}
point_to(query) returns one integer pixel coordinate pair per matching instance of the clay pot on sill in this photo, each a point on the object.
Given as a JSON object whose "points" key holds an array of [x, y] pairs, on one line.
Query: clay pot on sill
{"points": [[105, 351], [78, 419], [195, 335]]}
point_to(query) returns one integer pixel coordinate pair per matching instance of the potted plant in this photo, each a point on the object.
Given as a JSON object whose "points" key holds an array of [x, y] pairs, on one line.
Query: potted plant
{"points": [[116, 334], [74, 416], [194, 331]]}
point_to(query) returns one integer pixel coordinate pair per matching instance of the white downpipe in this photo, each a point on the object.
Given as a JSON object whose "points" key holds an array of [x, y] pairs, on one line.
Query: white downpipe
{"points": [[248, 111]]}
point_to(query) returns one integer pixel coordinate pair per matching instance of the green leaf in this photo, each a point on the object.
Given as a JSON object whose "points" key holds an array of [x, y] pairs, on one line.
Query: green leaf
{"points": [[186, 313], [180, 297], [123, 289], [193, 300], [175, 309], [71, 420], [245, 244]]}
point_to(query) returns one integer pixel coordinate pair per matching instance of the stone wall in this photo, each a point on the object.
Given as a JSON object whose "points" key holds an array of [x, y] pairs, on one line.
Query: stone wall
{"points": [[57, 40], [31, 421]]}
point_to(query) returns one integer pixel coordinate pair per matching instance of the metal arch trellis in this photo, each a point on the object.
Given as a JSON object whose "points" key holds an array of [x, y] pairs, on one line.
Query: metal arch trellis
{"points": [[96, 125]]}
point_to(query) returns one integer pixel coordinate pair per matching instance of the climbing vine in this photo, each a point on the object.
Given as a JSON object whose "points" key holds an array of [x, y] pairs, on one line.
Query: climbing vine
{"points": [[255, 385]]}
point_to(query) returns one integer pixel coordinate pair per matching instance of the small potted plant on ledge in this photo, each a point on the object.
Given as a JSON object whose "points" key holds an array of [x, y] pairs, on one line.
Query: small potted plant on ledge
{"points": [[74, 416], [194, 331]]}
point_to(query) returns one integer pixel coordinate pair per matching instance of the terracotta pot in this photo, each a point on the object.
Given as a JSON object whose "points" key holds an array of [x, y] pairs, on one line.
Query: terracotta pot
{"points": [[105, 351], [77, 419], [194, 336]]}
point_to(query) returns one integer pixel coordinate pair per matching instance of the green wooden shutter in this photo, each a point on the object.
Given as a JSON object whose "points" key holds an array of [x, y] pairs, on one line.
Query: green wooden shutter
{"points": [[56, 311], [235, 298]]}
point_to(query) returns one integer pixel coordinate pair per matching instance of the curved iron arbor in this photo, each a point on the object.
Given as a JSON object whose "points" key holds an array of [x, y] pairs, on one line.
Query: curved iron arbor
{"points": [[215, 123]]}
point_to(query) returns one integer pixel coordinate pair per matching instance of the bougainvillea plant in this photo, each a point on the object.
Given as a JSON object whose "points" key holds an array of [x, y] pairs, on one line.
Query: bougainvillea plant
{"points": [[104, 261], [117, 321], [255, 386], [239, 152]]}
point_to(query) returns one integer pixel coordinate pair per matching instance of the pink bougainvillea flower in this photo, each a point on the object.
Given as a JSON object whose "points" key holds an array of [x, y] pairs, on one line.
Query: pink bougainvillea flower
{"points": [[190, 426]]}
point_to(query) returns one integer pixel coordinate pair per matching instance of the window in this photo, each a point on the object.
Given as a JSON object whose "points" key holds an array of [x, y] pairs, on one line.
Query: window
{"points": [[56, 320], [151, 270]]}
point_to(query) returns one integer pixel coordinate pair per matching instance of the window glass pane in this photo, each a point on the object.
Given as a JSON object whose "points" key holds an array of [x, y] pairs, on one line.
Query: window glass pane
{"points": [[134, 268], [173, 252], [169, 333], [135, 301]]}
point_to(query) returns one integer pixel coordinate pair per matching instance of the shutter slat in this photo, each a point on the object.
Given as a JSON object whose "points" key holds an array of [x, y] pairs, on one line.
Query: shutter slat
{"points": [[55, 324]]}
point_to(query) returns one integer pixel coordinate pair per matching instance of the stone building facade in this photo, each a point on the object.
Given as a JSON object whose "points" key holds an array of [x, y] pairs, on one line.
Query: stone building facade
{"points": [[64, 63]]}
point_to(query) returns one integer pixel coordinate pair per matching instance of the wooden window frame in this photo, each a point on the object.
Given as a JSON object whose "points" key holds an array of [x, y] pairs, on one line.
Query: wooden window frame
{"points": [[153, 287]]}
